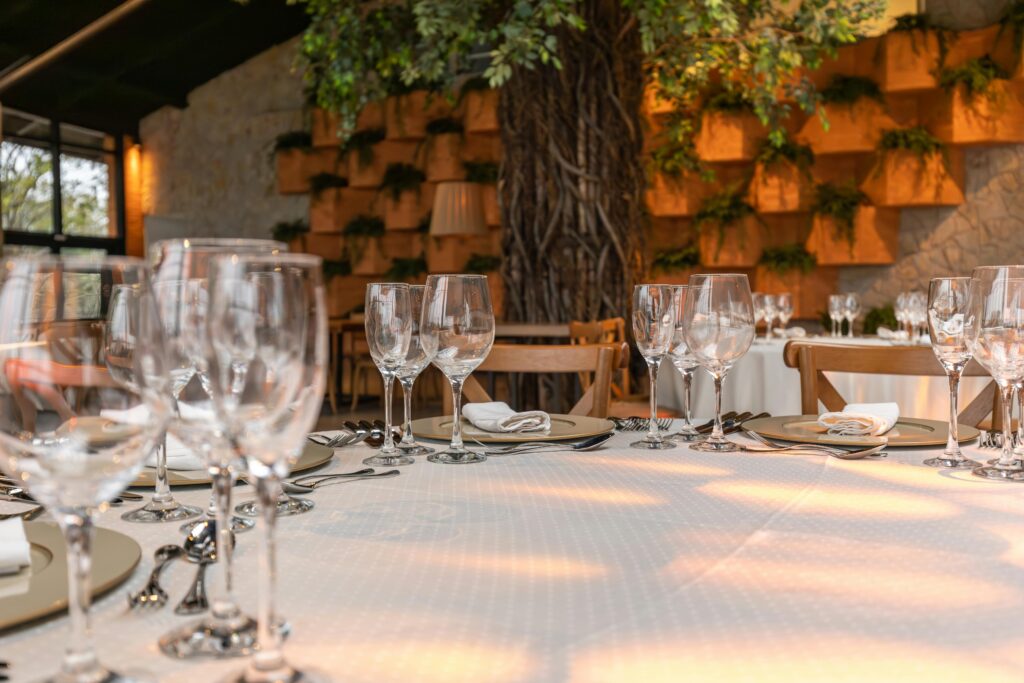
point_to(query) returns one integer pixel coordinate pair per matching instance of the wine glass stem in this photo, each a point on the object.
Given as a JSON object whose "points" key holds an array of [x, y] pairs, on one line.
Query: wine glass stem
{"points": [[652, 423], [79, 657], [716, 433], [268, 656], [1006, 457], [223, 605], [457, 410], [162, 492], [687, 408], [389, 384], [953, 442], [1020, 417], [407, 438]]}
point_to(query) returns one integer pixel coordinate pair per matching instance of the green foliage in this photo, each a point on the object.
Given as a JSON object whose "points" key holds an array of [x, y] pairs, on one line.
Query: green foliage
{"points": [[676, 152], [975, 76], [840, 203], [484, 172], [772, 153], [287, 231], [883, 316], [399, 178], [911, 22], [1014, 20], [849, 89], [364, 226], [674, 260], [445, 125], [791, 257], [728, 101], [326, 181], [362, 143], [333, 269], [722, 210], [917, 140], [406, 268], [482, 263], [296, 139]]}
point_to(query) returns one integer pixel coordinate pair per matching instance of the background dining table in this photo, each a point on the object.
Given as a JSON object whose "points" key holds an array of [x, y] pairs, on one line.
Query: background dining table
{"points": [[618, 565], [761, 382]]}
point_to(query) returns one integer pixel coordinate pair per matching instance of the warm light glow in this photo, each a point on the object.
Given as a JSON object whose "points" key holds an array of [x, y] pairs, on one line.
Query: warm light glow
{"points": [[587, 494], [511, 564], [1013, 536], [663, 467]]}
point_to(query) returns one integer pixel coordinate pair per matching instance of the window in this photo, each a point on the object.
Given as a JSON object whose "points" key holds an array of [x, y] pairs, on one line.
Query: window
{"points": [[60, 188]]}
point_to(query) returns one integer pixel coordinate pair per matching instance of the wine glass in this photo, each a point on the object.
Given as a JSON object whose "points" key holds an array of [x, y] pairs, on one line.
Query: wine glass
{"points": [[784, 306], [266, 351], [836, 306], [771, 310], [388, 331], [851, 310], [73, 455], [757, 299], [119, 342], [457, 331], [416, 360], [719, 327], [685, 363], [653, 327], [948, 300], [918, 315]]}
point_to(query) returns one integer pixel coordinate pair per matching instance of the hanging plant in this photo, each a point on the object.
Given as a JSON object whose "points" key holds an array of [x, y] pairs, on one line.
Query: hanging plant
{"points": [[772, 153], [727, 101], [483, 172], [364, 226], [677, 152], [781, 260], [921, 23], [333, 269], [287, 231], [722, 210], [479, 264], [674, 260], [1014, 20], [975, 76], [296, 139], [362, 144], [849, 89], [443, 126], [322, 182], [840, 203], [916, 140], [399, 178], [406, 268]]}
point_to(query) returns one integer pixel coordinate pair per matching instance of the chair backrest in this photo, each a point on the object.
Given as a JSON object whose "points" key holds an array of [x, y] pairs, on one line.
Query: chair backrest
{"points": [[47, 380], [599, 359], [814, 360], [607, 331]]}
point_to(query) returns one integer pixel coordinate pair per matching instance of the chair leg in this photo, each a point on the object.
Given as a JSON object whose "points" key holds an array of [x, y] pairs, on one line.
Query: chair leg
{"points": [[357, 372]]}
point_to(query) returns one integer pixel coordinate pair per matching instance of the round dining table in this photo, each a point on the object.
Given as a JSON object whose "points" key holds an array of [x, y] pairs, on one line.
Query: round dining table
{"points": [[615, 565], [761, 382]]}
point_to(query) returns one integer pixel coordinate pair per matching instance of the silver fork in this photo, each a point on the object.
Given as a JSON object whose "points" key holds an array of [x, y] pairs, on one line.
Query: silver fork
{"points": [[639, 424], [152, 594], [840, 453], [26, 515]]}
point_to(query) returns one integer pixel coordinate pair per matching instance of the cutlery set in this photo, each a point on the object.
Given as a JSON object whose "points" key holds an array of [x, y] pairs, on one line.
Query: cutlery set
{"points": [[987, 439], [198, 548]]}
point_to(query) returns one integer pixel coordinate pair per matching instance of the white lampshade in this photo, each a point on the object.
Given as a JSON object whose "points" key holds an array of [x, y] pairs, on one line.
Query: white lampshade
{"points": [[458, 210]]}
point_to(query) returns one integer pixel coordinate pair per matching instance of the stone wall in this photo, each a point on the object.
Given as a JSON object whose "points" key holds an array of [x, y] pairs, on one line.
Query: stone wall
{"points": [[209, 168]]}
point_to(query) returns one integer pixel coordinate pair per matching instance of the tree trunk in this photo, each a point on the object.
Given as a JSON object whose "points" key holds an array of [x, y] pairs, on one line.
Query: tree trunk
{"points": [[572, 177]]}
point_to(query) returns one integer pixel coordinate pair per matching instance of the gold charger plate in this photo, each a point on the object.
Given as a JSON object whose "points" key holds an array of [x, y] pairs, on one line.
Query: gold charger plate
{"points": [[41, 589], [313, 455], [563, 427], [908, 431]]}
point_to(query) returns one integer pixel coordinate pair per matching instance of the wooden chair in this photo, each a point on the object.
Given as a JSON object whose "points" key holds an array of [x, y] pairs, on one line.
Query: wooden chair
{"points": [[598, 359], [608, 331], [47, 380], [814, 360]]}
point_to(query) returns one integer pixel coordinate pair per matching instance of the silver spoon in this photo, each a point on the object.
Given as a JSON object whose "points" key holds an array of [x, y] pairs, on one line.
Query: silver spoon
{"points": [[329, 479], [201, 549], [585, 445], [152, 594]]}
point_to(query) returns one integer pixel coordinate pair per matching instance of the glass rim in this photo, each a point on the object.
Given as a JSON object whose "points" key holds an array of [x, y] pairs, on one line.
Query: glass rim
{"points": [[213, 242], [109, 260], [434, 276], [952, 277], [290, 257], [391, 284]]}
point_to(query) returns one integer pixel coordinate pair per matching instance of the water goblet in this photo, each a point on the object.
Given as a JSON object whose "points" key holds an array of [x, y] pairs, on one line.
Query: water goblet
{"points": [[719, 327], [784, 305], [416, 360], [851, 309], [457, 331], [836, 306], [388, 331], [653, 327], [684, 362]]}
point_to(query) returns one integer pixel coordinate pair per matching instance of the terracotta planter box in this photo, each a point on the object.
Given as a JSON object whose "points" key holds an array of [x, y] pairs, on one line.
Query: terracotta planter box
{"points": [[994, 117], [481, 111], [496, 289], [676, 277], [654, 104], [325, 160], [409, 210], [853, 128], [876, 234], [323, 209], [291, 171], [908, 60], [448, 254], [444, 157], [345, 293], [851, 60], [726, 137], [676, 196], [901, 178], [741, 246], [371, 117], [481, 147], [780, 188], [492, 210], [354, 202], [406, 116], [325, 128], [375, 254], [372, 174], [326, 246], [810, 290]]}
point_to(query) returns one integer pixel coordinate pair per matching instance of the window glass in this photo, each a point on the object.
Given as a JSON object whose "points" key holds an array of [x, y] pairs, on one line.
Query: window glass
{"points": [[26, 187], [85, 194]]}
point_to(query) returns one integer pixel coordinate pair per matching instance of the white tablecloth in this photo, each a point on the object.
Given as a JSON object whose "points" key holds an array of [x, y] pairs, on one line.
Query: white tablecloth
{"points": [[761, 382], [620, 565]]}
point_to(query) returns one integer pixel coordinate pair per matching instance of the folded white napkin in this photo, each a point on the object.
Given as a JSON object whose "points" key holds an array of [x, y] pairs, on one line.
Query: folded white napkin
{"points": [[794, 333], [499, 417], [862, 419], [895, 335], [14, 547], [179, 456]]}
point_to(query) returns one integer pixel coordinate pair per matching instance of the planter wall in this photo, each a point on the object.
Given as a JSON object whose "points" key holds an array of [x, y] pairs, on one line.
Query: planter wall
{"points": [[481, 147], [345, 293], [676, 196], [740, 247], [327, 246], [853, 128], [410, 209], [810, 290], [876, 239], [492, 210], [373, 255], [729, 137], [323, 209], [908, 60], [367, 175], [352, 202], [781, 188], [290, 165], [444, 157], [406, 116], [481, 111], [903, 179], [995, 117], [325, 160], [449, 254]]}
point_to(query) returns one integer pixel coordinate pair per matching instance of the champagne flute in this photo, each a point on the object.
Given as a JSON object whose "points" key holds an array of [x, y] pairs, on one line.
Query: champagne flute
{"points": [[74, 455], [836, 305], [266, 350], [653, 327], [119, 340], [719, 327], [388, 331], [416, 360], [851, 309], [948, 301], [685, 363], [457, 331], [784, 304]]}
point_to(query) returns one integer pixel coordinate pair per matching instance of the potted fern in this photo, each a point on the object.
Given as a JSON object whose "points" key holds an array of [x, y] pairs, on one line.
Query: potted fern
{"points": [[914, 168], [485, 173], [443, 150], [977, 105], [791, 268], [855, 110], [406, 199], [910, 54], [290, 161], [673, 266], [781, 182], [847, 230], [489, 265], [479, 105], [730, 233], [729, 129]]}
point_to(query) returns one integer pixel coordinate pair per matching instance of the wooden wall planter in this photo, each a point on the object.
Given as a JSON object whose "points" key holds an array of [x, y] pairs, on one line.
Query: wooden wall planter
{"points": [[291, 171], [384, 153], [728, 137], [325, 245], [325, 124], [352, 202], [810, 290], [975, 44], [492, 210], [481, 147], [994, 117], [654, 104], [444, 157], [481, 111], [908, 60], [780, 188], [741, 248], [371, 117], [876, 239], [410, 209], [406, 116], [345, 293], [901, 178], [373, 255], [676, 277], [676, 196], [853, 128], [326, 160], [323, 211], [851, 60], [448, 254]]}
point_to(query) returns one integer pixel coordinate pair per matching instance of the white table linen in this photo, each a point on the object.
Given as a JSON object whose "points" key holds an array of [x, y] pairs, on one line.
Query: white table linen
{"points": [[14, 547], [861, 419], [619, 565]]}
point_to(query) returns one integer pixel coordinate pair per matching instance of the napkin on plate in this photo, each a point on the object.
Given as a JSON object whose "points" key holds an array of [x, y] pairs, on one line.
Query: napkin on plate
{"points": [[499, 417], [862, 419], [14, 547], [894, 335], [179, 456], [794, 332]]}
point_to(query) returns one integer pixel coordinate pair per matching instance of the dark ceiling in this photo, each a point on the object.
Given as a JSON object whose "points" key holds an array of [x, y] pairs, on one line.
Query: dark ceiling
{"points": [[154, 56]]}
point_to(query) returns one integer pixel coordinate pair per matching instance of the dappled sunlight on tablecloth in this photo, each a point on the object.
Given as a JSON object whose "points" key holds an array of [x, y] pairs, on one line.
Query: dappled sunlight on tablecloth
{"points": [[661, 467], [526, 565], [604, 496], [1013, 536]]}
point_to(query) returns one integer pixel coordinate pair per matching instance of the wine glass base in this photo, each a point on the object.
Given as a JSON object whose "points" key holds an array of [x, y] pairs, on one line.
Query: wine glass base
{"points": [[238, 524], [155, 513], [211, 638], [687, 437], [450, 457], [286, 674], [388, 460], [952, 463], [285, 508], [100, 675], [1015, 464], [991, 472], [709, 446], [416, 449], [653, 445]]}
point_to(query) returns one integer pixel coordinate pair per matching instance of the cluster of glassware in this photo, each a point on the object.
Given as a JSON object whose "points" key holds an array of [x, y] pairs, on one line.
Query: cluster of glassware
{"points": [[911, 311], [843, 307], [769, 307]]}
